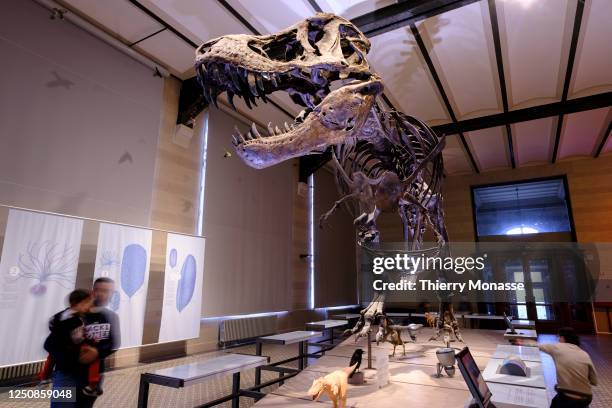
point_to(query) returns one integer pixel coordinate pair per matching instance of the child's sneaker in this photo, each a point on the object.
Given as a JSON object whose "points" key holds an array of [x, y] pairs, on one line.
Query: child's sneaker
{"points": [[90, 392]]}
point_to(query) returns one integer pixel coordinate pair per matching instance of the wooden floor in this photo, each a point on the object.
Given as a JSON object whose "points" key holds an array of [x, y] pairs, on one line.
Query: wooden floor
{"points": [[412, 377]]}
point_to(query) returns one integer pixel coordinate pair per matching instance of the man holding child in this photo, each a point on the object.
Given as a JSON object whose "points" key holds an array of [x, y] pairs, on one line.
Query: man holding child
{"points": [[81, 337]]}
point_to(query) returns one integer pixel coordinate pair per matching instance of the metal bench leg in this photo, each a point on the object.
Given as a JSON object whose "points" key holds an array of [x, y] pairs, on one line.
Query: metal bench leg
{"points": [[301, 361], [143, 392], [258, 351], [236, 390], [369, 351]]}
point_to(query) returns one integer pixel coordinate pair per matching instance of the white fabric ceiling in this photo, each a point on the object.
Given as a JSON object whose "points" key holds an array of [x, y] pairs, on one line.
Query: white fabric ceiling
{"points": [[455, 77]]}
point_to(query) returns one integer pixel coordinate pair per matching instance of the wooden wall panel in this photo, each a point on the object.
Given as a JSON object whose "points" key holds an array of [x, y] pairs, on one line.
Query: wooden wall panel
{"points": [[590, 192], [176, 188]]}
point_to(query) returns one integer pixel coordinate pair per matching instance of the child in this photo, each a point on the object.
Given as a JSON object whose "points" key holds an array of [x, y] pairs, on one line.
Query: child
{"points": [[67, 343]]}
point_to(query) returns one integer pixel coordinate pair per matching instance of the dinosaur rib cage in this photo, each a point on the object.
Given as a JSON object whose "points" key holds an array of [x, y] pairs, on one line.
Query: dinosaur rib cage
{"points": [[409, 149]]}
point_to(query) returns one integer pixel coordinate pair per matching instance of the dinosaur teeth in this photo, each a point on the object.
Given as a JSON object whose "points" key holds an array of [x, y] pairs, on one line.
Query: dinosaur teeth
{"points": [[287, 128], [260, 84], [236, 80], [278, 131], [254, 130], [216, 74], [234, 140], [247, 100], [270, 130], [252, 83], [230, 99]]}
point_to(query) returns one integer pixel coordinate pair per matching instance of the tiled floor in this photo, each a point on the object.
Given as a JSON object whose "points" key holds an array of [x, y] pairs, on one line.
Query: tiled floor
{"points": [[413, 385]]}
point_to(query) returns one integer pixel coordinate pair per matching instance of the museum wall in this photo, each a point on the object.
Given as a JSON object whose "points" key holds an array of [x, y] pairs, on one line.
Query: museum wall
{"points": [[79, 120], [247, 225], [335, 266]]}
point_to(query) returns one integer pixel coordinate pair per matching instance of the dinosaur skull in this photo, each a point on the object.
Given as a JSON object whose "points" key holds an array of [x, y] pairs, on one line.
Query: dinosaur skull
{"points": [[303, 60]]}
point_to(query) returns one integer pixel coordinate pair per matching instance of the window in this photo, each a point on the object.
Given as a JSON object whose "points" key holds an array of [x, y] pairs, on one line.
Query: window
{"points": [[521, 208]]}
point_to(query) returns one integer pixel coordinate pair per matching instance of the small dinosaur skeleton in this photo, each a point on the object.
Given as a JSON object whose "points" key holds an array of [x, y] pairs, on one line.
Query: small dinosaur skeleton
{"points": [[385, 161]]}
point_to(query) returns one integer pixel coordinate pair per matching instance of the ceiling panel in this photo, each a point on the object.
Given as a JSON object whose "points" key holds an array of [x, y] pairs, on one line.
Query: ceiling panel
{"points": [[272, 16], [202, 22], [173, 51], [533, 140], [593, 65], [118, 16], [455, 159], [460, 46], [489, 147], [535, 38], [198, 20], [395, 56], [581, 132], [352, 8]]}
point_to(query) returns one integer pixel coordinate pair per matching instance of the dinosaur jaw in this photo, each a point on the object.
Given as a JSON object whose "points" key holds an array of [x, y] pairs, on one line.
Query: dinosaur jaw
{"points": [[337, 118]]}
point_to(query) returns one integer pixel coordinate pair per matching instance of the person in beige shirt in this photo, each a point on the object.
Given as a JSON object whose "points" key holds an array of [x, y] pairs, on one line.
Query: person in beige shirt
{"points": [[575, 371]]}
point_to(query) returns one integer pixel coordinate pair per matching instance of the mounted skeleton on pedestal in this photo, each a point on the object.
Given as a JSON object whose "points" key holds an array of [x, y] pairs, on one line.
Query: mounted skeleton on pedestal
{"points": [[384, 161]]}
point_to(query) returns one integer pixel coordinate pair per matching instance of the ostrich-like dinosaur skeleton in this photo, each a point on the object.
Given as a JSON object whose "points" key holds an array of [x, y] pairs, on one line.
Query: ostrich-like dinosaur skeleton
{"points": [[384, 160]]}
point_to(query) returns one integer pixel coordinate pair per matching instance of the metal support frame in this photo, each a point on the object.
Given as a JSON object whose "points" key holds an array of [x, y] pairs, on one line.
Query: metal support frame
{"points": [[404, 13], [302, 358], [526, 114], [147, 378]]}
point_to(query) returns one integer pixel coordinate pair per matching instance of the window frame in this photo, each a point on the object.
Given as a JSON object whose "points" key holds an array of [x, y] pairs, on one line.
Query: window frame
{"points": [[562, 177]]}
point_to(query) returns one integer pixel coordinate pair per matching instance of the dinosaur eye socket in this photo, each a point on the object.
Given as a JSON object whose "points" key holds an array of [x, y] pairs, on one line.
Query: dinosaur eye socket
{"points": [[315, 33], [284, 48]]}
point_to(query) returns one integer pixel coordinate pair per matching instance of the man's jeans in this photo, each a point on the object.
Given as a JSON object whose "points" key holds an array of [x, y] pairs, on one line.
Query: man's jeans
{"points": [[62, 379]]}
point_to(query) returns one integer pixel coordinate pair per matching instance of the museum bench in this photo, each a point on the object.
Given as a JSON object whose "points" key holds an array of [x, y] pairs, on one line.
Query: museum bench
{"points": [[301, 337], [194, 373], [327, 326], [347, 316], [400, 316]]}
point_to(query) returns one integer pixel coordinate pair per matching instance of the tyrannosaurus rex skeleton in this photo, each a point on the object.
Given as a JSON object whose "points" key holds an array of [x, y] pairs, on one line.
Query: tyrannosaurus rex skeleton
{"points": [[384, 160]]}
